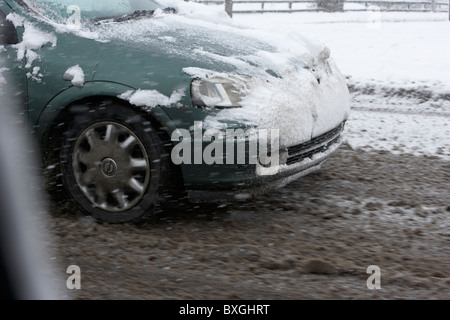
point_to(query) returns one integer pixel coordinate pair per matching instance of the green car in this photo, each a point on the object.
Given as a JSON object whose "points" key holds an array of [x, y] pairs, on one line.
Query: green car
{"points": [[137, 102]]}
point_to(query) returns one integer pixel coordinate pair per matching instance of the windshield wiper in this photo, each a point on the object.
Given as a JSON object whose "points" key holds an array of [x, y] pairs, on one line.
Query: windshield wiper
{"points": [[138, 14]]}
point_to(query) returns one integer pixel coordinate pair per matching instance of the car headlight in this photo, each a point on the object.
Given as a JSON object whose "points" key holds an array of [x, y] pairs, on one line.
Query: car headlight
{"points": [[218, 92]]}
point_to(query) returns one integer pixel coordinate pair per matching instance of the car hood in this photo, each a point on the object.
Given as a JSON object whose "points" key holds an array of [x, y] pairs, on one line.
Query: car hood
{"points": [[215, 43]]}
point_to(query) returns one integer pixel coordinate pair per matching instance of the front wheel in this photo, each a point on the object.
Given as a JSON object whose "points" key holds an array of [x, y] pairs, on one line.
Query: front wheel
{"points": [[114, 164]]}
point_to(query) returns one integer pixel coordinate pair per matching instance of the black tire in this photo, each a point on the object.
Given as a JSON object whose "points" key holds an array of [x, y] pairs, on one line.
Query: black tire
{"points": [[113, 163]]}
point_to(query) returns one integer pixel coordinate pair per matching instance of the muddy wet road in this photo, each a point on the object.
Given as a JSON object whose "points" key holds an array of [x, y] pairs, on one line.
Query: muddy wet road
{"points": [[313, 239]]}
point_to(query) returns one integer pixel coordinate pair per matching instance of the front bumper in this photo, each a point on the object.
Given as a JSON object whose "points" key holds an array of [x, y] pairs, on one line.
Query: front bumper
{"points": [[302, 159]]}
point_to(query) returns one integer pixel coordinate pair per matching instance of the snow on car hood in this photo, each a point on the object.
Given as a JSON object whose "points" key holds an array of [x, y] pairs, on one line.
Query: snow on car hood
{"points": [[208, 37], [203, 43]]}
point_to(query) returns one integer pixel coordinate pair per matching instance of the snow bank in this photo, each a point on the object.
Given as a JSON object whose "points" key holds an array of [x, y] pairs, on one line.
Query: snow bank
{"points": [[418, 134]]}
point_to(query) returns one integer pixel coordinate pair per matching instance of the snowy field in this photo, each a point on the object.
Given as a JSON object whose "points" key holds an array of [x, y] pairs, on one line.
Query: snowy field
{"points": [[402, 58]]}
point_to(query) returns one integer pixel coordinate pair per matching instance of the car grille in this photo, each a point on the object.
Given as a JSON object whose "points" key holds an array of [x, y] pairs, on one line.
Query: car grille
{"points": [[318, 144]]}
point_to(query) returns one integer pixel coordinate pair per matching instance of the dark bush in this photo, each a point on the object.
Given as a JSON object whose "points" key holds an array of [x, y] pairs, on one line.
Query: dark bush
{"points": [[330, 5]]}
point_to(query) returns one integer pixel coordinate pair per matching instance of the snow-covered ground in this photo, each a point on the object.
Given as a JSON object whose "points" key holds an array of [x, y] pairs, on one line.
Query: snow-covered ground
{"points": [[397, 66], [393, 49]]}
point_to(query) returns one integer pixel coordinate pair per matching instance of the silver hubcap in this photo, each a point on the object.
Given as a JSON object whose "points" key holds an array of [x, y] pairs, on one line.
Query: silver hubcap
{"points": [[111, 166]]}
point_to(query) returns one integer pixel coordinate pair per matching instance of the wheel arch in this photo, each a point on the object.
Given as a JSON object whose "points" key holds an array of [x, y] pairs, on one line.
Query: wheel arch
{"points": [[55, 116], [55, 119]]}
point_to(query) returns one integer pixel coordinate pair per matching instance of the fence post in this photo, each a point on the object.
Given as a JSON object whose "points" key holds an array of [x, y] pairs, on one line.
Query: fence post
{"points": [[433, 5], [229, 7]]}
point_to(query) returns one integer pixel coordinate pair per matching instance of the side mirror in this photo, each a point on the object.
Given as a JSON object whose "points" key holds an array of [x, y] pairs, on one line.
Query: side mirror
{"points": [[8, 33]]}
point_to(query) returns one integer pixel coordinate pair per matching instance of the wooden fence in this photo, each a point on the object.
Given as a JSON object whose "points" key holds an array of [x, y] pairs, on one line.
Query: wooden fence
{"points": [[262, 6]]}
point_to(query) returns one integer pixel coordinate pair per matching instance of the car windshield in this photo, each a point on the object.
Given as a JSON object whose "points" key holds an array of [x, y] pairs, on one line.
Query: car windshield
{"points": [[74, 11]]}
